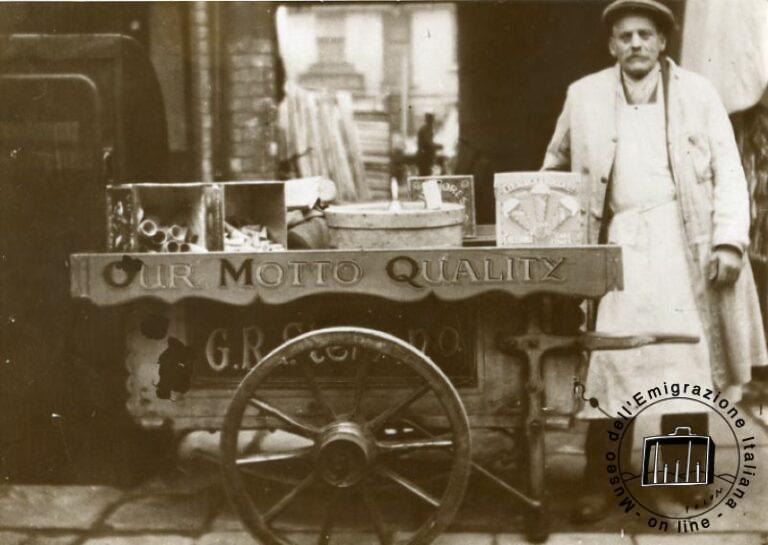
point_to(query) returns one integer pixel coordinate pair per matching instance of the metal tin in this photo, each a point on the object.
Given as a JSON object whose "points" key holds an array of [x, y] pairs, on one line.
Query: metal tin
{"points": [[376, 225]]}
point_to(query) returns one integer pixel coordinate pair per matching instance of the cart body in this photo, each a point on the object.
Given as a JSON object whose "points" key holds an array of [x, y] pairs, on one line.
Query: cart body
{"points": [[494, 336], [232, 309]]}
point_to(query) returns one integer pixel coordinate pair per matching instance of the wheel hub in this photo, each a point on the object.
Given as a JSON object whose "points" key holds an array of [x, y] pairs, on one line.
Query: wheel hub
{"points": [[343, 454]]}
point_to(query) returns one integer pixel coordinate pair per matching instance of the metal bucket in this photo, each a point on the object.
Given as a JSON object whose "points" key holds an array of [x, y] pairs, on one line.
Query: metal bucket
{"points": [[375, 225]]}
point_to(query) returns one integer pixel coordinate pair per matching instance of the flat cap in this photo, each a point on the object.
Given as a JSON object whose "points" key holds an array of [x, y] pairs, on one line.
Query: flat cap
{"points": [[658, 11]]}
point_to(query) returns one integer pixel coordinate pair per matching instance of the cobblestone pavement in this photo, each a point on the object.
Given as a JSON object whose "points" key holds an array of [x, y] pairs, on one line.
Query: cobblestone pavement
{"points": [[189, 508]]}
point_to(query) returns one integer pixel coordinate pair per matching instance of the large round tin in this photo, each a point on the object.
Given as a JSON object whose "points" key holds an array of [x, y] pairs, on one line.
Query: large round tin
{"points": [[379, 225]]}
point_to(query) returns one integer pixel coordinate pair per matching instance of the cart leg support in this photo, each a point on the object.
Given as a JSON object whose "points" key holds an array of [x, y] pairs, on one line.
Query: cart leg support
{"points": [[537, 529], [535, 343]]}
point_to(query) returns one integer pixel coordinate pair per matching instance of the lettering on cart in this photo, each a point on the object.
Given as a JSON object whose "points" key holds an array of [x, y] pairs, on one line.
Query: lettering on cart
{"points": [[446, 339], [271, 274], [488, 270], [166, 276], [218, 347], [344, 273], [338, 354], [152, 276], [242, 348]]}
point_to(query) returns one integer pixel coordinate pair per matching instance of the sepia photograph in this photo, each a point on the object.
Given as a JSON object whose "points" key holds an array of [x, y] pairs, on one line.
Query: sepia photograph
{"points": [[384, 272]]}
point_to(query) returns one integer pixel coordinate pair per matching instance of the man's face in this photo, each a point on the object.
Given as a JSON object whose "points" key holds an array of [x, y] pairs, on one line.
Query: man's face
{"points": [[636, 43]]}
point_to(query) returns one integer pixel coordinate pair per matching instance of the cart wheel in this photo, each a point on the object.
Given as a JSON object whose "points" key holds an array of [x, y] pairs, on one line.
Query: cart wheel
{"points": [[348, 455]]}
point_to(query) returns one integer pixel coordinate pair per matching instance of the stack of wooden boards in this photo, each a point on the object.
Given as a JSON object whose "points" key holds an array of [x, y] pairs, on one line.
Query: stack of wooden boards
{"points": [[374, 133], [322, 131]]}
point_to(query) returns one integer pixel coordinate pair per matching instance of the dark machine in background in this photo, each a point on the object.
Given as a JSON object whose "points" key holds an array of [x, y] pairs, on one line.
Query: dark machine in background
{"points": [[76, 112]]}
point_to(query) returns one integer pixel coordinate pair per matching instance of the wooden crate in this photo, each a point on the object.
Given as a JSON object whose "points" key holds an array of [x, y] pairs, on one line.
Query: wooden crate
{"points": [[195, 208], [257, 203]]}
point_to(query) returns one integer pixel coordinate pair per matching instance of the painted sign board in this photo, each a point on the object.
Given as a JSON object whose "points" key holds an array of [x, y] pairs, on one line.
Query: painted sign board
{"points": [[398, 275]]}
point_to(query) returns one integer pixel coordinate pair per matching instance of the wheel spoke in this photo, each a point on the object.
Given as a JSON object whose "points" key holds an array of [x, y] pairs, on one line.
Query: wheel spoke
{"points": [[251, 470], [261, 457], [267, 474], [381, 419], [530, 502], [286, 500], [410, 486], [362, 375], [302, 429], [411, 420], [309, 376], [415, 444], [328, 520], [375, 514]]}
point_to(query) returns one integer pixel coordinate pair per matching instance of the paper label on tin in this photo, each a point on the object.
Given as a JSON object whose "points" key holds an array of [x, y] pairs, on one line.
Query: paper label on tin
{"points": [[453, 189], [432, 196]]}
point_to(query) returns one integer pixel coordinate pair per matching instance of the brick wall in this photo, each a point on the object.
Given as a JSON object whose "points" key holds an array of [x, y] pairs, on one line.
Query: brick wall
{"points": [[201, 92], [234, 90], [249, 112]]}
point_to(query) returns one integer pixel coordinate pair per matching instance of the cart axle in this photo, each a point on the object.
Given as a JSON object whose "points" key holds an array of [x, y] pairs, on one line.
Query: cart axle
{"points": [[344, 454]]}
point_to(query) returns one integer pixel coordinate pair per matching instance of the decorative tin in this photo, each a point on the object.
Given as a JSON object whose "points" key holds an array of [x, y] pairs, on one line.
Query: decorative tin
{"points": [[538, 208], [454, 189]]}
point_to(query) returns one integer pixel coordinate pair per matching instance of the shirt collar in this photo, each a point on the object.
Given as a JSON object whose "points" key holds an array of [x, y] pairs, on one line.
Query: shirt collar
{"points": [[640, 91]]}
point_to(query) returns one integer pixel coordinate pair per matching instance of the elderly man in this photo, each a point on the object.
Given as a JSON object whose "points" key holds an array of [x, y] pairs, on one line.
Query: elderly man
{"points": [[663, 179]]}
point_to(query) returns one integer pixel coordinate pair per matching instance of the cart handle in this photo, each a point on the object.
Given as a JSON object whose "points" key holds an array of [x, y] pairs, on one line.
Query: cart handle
{"points": [[589, 341], [601, 341]]}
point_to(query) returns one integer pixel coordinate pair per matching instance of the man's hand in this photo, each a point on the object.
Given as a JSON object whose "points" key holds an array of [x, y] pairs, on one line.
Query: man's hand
{"points": [[724, 266]]}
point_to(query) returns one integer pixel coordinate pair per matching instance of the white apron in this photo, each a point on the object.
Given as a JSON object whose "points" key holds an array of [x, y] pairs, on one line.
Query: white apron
{"points": [[658, 291]]}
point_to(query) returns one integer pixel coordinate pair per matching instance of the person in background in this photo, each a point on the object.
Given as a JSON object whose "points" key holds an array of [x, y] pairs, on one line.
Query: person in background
{"points": [[664, 180], [426, 147], [398, 168]]}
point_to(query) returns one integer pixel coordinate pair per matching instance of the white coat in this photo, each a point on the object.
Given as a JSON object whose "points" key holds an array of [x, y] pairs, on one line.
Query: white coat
{"points": [[711, 193]]}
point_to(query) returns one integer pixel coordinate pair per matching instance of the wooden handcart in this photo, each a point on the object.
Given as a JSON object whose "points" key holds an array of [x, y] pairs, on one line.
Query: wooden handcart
{"points": [[376, 368]]}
